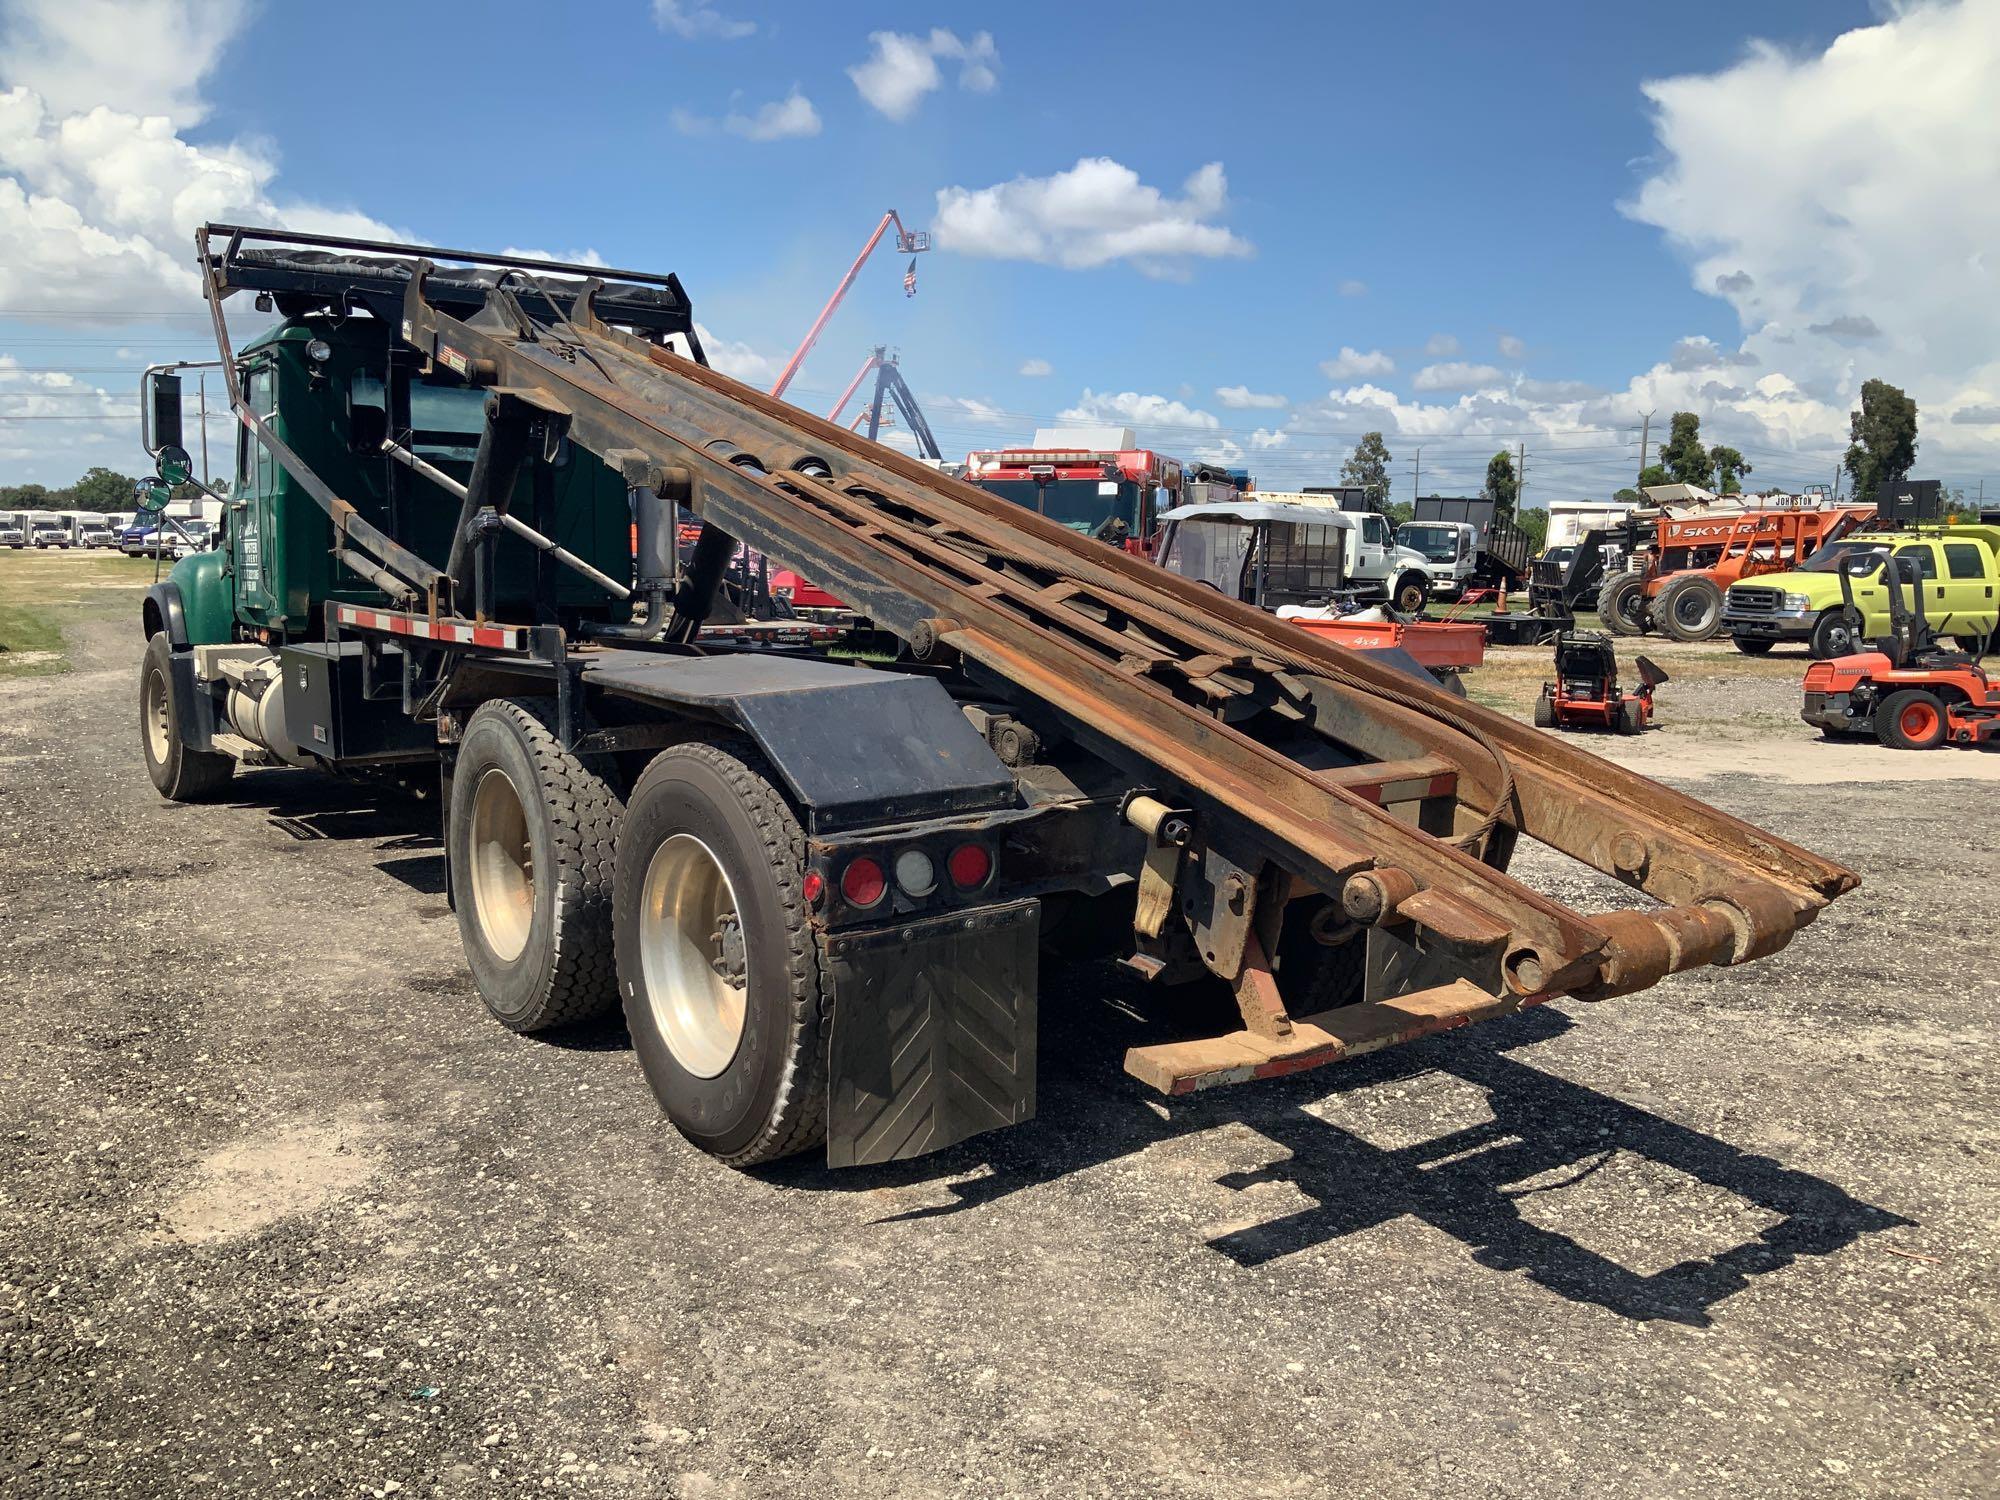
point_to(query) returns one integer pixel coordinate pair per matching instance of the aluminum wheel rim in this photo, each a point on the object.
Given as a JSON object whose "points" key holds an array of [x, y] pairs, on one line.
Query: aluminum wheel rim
{"points": [[155, 716], [503, 866], [693, 956]]}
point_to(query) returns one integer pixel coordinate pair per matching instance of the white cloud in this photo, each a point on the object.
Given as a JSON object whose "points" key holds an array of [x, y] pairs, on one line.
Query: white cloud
{"points": [[1352, 364], [1129, 408], [1511, 347], [974, 409], [903, 68], [98, 205], [145, 57], [1354, 289], [1266, 437], [697, 20], [1036, 368], [738, 360], [1225, 453], [1242, 398], [1441, 346], [572, 257], [1874, 172], [1454, 375], [782, 119], [1092, 214]]}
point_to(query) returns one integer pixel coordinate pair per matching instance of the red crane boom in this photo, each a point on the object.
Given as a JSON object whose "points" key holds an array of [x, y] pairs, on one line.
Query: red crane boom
{"points": [[908, 242]]}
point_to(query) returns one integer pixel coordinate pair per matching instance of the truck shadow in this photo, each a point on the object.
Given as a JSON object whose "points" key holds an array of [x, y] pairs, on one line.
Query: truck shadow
{"points": [[403, 828], [1481, 1184]]}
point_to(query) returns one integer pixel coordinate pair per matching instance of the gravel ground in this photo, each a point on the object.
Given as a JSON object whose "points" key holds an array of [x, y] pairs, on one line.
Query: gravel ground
{"points": [[282, 1213]]}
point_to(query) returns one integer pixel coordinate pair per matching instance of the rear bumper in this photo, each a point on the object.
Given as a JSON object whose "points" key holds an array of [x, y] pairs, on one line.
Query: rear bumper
{"points": [[1831, 711]]}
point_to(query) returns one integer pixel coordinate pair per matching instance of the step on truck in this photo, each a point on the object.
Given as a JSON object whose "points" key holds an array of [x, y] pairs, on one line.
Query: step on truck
{"points": [[818, 888]]}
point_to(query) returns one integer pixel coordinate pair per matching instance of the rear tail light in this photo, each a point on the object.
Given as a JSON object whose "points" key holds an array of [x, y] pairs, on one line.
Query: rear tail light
{"points": [[814, 887], [915, 873], [863, 883], [971, 866]]}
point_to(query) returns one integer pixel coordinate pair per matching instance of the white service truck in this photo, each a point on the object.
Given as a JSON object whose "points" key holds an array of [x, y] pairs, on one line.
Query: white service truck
{"points": [[1278, 548]]}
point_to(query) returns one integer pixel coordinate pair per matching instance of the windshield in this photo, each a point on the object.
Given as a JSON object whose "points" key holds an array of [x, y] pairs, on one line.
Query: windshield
{"points": [[446, 420], [1436, 543], [1080, 504], [1828, 559]]}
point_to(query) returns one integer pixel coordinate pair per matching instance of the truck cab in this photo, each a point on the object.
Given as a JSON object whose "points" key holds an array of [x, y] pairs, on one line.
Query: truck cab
{"points": [[1958, 569], [48, 531], [1448, 549]]}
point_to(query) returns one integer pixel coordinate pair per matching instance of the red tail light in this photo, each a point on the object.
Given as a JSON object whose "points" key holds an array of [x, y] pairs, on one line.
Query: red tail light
{"points": [[813, 887], [863, 883], [970, 866]]}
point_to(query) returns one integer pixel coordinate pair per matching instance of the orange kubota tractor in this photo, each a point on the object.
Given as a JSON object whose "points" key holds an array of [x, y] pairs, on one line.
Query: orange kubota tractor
{"points": [[1681, 565]]}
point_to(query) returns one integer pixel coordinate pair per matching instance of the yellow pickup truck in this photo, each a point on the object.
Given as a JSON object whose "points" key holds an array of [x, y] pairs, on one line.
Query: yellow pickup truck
{"points": [[1960, 566]]}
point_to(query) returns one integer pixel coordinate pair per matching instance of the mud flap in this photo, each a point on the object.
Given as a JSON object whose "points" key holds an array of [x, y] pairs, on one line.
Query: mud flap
{"points": [[933, 1033]]}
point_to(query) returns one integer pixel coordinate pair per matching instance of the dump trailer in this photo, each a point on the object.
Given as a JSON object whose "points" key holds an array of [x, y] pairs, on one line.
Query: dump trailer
{"points": [[818, 888]]}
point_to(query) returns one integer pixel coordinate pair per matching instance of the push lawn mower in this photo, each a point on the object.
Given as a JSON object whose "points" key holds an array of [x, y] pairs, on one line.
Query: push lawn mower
{"points": [[1911, 692], [1586, 692]]}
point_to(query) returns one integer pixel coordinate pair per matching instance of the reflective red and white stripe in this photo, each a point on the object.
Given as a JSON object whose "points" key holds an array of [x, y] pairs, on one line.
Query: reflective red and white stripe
{"points": [[451, 632]]}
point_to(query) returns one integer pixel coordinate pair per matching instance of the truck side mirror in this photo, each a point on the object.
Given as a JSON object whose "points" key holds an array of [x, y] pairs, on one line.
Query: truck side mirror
{"points": [[160, 407], [150, 496]]}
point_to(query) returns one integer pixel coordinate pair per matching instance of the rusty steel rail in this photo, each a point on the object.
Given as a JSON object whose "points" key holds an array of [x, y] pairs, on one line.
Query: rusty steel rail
{"points": [[1154, 673]]}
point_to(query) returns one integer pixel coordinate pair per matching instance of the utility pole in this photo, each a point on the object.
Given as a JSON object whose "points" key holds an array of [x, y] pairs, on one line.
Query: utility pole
{"points": [[1520, 475], [202, 386], [1645, 432], [1417, 478]]}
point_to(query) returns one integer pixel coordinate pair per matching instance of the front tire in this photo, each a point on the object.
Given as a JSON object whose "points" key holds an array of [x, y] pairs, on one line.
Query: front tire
{"points": [[534, 835], [1910, 720], [1834, 634], [177, 773], [718, 963], [1753, 645], [1621, 604], [1411, 594], [1690, 608]]}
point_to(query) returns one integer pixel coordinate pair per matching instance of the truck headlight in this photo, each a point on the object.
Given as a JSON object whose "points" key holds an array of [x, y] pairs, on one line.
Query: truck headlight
{"points": [[1797, 601]]}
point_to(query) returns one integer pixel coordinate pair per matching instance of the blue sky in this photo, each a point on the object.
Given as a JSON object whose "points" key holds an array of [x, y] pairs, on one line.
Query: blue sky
{"points": [[1513, 228]]}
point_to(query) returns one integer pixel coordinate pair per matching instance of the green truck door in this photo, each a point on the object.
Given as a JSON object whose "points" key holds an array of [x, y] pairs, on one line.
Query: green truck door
{"points": [[250, 506], [1969, 588]]}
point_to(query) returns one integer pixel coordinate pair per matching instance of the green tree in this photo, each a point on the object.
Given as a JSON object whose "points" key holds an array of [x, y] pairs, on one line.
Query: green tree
{"points": [[1367, 468], [103, 489], [1399, 511], [1535, 523], [1682, 455], [24, 496], [1729, 465], [1503, 485], [1653, 474], [1884, 434], [1628, 493]]}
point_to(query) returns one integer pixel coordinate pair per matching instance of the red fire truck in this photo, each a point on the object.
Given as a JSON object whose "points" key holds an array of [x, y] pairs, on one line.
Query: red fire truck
{"points": [[1113, 494]]}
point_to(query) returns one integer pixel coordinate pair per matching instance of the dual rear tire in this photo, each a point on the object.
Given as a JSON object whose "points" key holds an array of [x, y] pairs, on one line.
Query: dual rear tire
{"points": [[684, 902]]}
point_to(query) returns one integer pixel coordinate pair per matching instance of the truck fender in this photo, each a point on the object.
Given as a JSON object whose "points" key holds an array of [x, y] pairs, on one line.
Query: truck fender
{"points": [[853, 746], [163, 611]]}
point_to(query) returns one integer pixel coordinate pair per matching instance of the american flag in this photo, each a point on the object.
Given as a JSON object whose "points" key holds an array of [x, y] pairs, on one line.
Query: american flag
{"points": [[910, 279]]}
